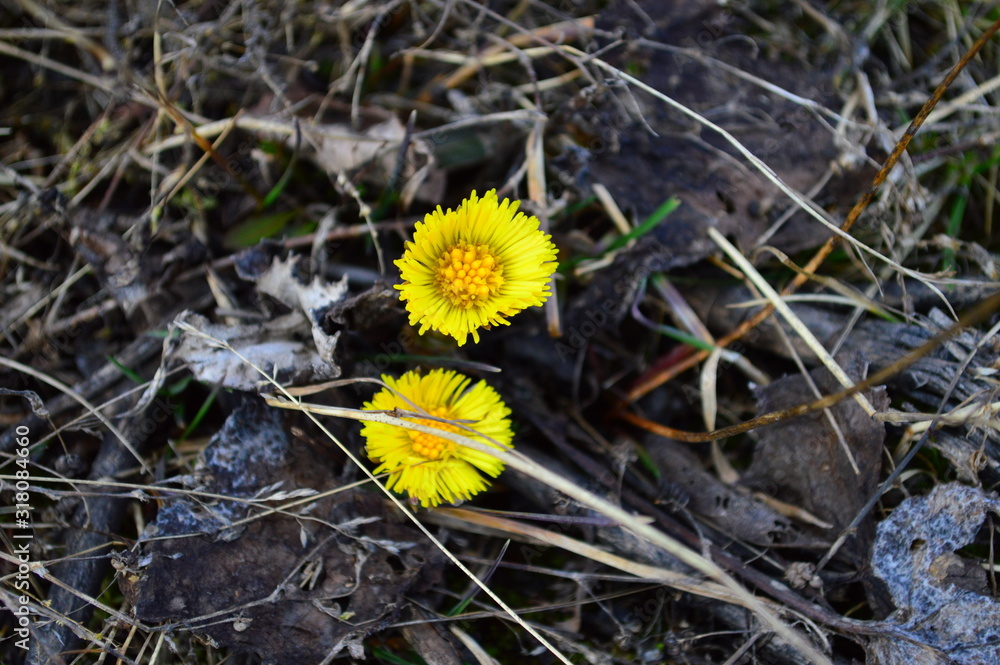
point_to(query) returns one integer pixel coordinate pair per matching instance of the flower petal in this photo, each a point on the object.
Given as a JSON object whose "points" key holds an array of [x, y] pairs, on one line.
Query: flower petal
{"points": [[444, 471]]}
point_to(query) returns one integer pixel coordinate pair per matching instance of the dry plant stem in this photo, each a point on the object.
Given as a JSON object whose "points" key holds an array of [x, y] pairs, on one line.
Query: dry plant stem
{"points": [[360, 64], [137, 353], [17, 255], [700, 56], [557, 33], [548, 607], [859, 300], [147, 493], [287, 129], [890, 162], [105, 84], [71, 33], [69, 392], [42, 610], [482, 657], [611, 208], [637, 526], [298, 242], [960, 102], [538, 193], [480, 62], [786, 312], [984, 309], [189, 130], [492, 524], [365, 212], [51, 295], [852, 216], [183, 181], [85, 141]]}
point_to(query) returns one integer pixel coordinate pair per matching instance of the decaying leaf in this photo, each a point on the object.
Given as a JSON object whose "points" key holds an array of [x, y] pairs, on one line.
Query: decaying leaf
{"points": [[279, 347], [270, 347], [802, 461], [344, 150], [292, 587], [938, 376], [942, 601], [313, 299], [628, 133], [279, 281], [118, 266], [732, 509]]}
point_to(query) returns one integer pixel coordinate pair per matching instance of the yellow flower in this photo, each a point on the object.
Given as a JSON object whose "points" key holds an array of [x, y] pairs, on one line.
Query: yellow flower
{"points": [[472, 267], [431, 469]]}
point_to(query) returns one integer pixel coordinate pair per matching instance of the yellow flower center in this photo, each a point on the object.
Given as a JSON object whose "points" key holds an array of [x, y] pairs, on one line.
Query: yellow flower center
{"points": [[427, 445], [469, 274]]}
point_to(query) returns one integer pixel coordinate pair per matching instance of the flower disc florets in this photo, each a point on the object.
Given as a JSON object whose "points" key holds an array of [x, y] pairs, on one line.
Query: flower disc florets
{"points": [[473, 267]]}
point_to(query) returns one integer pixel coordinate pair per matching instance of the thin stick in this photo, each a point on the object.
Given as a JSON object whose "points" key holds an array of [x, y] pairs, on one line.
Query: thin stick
{"points": [[978, 313], [786, 312], [69, 392]]}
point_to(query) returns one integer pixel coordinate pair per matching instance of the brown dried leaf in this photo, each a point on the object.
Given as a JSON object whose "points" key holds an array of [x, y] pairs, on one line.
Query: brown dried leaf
{"points": [[731, 509], [802, 462], [626, 134], [291, 587]]}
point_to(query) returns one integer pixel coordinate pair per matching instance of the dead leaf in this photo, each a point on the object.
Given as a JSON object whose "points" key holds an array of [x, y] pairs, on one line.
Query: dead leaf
{"points": [[624, 134], [272, 348], [280, 281], [277, 347], [949, 617], [313, 299], [732, 509], [342, 150], [292, 587], [802, 462]]}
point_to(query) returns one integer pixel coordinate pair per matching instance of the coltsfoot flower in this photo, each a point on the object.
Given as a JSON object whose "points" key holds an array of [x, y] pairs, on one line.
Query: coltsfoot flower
{"points": [[433, 470], [473, 267]]}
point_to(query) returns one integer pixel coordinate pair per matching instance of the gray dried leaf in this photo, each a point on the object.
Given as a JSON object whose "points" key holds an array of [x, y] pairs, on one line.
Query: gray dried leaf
{"points": [[940, 601], [279, 281], [801, 461], [313, 299], [377, 148], [275, 352], [732, 509]]}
